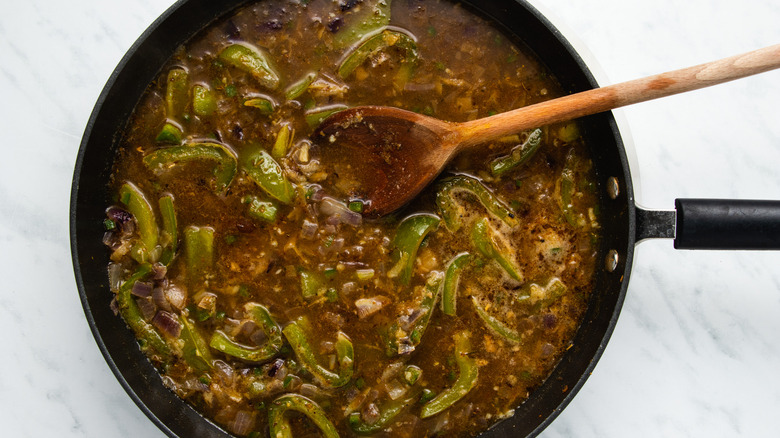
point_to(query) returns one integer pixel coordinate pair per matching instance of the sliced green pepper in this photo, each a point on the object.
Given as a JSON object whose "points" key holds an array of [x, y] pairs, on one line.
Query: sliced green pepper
{"points": [[195, 351], [315, 116], [366, 22], [449, 295], [544, 296], [567, 189], [399, 339], [311, 283], [171, 133], [204, 100], [199, 249], [224, 171], [283, 143], [468, 371], [300, 87], [408, 238], [266, 106], [519, 155], [129, 310], [170, 229], [144, 250], [296, 334], [268, 174], [176, 92], [252, 61], [388, 413], [484, 243], [497, 326], [263, 210], [280, 427], [377, 43], [262, 317], [452, 212]]}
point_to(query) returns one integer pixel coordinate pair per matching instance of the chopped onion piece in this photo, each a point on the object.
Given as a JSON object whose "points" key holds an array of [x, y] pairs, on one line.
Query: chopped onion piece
{"points": [[369, 306], [167, 323], [339, 210], [141, 289], [176, 297], [147, 307], [243, 423]]}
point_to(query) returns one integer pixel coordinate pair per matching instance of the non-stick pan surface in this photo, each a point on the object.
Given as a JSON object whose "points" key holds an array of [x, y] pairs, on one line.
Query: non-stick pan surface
{"points": [[143, 62]]}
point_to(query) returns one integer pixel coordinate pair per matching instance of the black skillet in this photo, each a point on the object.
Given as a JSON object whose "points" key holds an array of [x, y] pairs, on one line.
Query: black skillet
{"points": [[713, 224]]}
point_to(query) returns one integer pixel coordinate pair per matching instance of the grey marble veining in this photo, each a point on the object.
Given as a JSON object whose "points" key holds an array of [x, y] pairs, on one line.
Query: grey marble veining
{"points": [[695, 352]]}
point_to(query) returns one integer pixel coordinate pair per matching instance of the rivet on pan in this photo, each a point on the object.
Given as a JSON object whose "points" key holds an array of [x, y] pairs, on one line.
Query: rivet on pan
{"points": [[612, 260], [613, 189]]}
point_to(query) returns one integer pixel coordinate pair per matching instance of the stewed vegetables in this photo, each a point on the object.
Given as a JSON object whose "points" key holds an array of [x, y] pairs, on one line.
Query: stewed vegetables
{"points": [[250, 277]]}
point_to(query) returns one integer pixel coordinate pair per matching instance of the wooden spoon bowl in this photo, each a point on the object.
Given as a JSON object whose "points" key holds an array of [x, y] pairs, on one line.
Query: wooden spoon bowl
{"points": [[396, 153]]}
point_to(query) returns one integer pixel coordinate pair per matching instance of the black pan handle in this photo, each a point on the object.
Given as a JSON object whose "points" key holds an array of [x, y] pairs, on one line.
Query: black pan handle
{"points": [[714, 224]]}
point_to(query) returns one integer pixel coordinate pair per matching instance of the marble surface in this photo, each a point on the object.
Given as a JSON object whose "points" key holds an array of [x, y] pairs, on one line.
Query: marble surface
{"points": [[696, 349]]}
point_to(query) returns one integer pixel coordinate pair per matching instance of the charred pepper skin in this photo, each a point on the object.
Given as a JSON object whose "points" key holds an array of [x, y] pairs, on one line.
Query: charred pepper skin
{"points": [[389, 412], [468, 372], [225, 159], [133, 317], [519, 155], [262, 317], [410, 234], [449, 291], [279, 427], [451, 212], [137, 204], [296, 334]]}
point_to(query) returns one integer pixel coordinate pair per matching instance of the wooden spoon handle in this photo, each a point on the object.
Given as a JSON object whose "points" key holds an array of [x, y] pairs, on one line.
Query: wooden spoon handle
{"points": [[618, 95]]}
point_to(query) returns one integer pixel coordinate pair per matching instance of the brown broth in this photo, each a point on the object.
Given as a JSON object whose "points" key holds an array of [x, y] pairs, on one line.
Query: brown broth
{"points": [[466, 70]]}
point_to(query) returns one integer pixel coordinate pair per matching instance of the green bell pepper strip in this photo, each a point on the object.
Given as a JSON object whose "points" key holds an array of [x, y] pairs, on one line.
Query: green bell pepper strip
{"points": [[279, 426], [519, 155], [199, 251], [252, 61], [268, 174], [170, 133], [176, 92], [468, 371], [410, 234], [204, 100], [377, 43], [300, 87], [296, 335], [311, 284], [451, 212], [262, 210], [401, 341], [137, 204], [170, 229], [226, 161], [262, 317], [315, 116], [449, 295], [567, 190], [195, 351], [363, 23], [497, 326], [544, 296], [283, 143], [484, 243], [388, 413], [129, 310], [266, 106]]}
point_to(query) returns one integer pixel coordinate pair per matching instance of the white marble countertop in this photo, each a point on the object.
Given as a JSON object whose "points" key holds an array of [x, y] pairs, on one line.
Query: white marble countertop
{"points": [[696, 351]]}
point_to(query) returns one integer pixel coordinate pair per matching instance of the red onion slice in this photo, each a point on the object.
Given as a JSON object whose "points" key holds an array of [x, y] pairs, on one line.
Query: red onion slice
{"points": [[167, 323]]}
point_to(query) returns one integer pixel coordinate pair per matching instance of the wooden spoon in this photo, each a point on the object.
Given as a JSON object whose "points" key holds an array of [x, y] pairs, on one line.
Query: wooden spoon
{"points": [[395, 153]]}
